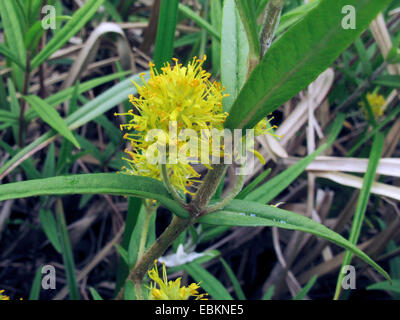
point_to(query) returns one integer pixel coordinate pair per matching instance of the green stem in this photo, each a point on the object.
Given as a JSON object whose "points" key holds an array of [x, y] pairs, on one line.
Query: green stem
{"points": [[170, 234], [236, 189]]}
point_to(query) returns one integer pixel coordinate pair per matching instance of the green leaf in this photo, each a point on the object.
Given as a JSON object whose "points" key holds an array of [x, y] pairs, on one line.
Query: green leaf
{"points": [[391, 81], [129, 292], [386, 285], [134, 242], [297, 58], [51, 117], [252, 185], [207, 281], [303, 292], [216, 21], [270, 292], [49, 226], [34, 294], [234, 280], [237, 213], [96, 183], [249, 21], [164, 46], [10, 55], [199, 20], [234, 53], [83, 115], [66, 249], [49, 167], [36, 31], [79, 19], [95, 294], [14, 37], [362, 203], [134, 205]]}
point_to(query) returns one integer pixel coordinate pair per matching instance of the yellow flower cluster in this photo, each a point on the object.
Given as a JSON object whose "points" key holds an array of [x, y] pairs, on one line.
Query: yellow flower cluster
{"points": [[179, 98], [377, 103], [3, 297], [182, 97], [171, 290]]}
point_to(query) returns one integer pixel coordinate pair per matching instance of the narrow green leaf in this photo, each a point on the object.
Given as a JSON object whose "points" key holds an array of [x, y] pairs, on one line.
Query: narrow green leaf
{"points": [[86, 113], [49, 166], [297, 58], [134, 242], [391, 81], [252, 185], [134, 205], [270, 292], [239, 213], [234, 53], [79, 19], [362, 203], [67, 254], [249, 21], [51, 117], [49, 226], [207, 281], [36, 31], [14, 37], [164, 46], [199, 20], [34, 294], [96, 183], [234, 280], [95, 294], [129, 293], [304, 291], [216, 21], [10, 55], [386, 285]]}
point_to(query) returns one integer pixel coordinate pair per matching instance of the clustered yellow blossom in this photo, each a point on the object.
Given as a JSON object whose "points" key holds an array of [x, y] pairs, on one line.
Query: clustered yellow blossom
{"points": [[377, 103], [171, 290], [181, 98], [3, 297]]}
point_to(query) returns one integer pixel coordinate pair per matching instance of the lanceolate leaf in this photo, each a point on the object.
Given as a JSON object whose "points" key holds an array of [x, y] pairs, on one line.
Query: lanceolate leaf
{"points": [[14, 37], [84, 114], [234, 53], [166, 32], [250, 214], [97, 183], [79, 19], [298, 57], [51, 117]]}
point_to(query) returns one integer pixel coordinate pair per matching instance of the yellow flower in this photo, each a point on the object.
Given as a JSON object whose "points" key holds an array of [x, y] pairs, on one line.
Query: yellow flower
{"points": [[181, 98], [171, 290], [3, 297], [377, 103]]}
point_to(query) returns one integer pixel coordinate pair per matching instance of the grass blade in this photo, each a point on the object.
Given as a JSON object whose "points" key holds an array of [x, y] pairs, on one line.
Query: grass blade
{"points": [[96, 183], [67, 254], [252, 214], [164, 46], [51, 117], [79, 19], [362, 203]]}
